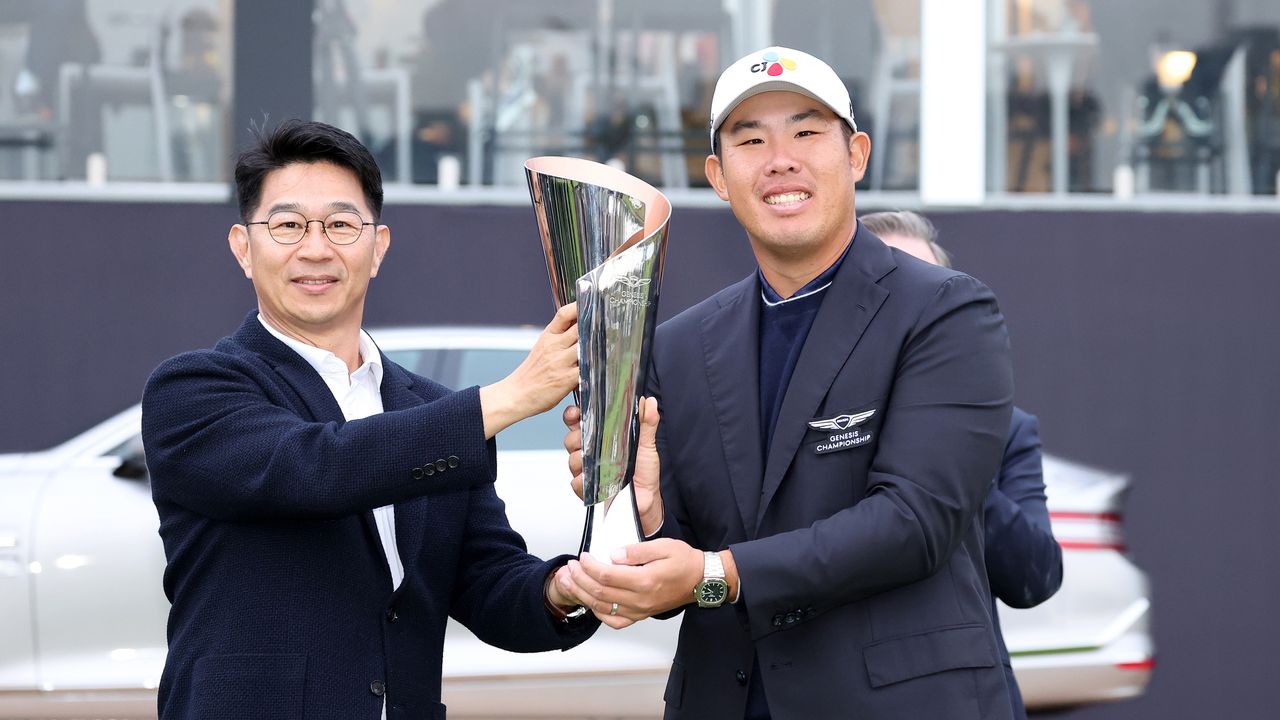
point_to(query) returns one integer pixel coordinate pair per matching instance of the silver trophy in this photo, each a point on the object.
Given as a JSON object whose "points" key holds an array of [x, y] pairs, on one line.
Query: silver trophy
{"points": [[604, 233]]}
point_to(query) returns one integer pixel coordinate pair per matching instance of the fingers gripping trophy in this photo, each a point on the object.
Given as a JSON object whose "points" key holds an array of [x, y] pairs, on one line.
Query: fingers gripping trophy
{"points": [[604, 234]]}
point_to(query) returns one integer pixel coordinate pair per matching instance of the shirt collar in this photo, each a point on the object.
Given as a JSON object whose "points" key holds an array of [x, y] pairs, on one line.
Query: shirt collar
{"points": [[329, 365], [814, 286]]}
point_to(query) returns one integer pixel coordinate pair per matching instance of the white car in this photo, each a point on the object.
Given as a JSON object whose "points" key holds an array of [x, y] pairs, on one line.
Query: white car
{"points": [[1091, 641], [82, 613]]}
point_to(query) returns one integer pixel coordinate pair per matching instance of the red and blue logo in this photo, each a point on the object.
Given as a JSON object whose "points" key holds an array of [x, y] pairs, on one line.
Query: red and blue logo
{"points": [[773, 64]]}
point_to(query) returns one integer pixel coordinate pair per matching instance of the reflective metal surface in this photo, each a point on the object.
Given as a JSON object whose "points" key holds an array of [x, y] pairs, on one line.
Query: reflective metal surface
{"points": [[604, 234]]}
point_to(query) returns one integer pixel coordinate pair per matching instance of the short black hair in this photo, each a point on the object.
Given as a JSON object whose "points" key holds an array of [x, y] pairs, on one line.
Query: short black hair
{"points": [[715, 141], [304, 141]]}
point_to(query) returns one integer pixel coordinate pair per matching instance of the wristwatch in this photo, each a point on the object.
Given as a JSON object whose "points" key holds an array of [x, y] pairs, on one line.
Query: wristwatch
{"points": [[712, 591], [556, 611], [563, 615]]}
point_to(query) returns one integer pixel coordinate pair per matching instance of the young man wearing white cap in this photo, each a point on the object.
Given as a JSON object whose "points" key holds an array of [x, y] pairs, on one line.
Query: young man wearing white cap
{"points": [[830, 426]]}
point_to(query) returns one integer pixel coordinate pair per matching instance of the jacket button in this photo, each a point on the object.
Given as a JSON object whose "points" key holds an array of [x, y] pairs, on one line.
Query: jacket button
{"points": [[777, 620], [810, 612], [441, 465], [392, 615], [428, 470], [377, 688], [741, 677], [790, 619], [454, 461], [417, 473]]}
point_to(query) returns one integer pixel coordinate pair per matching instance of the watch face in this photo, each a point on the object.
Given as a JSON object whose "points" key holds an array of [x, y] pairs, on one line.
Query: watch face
{"points": [[711, 592]]}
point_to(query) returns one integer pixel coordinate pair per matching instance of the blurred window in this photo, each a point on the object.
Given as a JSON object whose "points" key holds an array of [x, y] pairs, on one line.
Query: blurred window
{"points": [[462, 92], [484, 367], [461, 368], [421, 362], [114, 89], [874, 45], [1141, 96]]}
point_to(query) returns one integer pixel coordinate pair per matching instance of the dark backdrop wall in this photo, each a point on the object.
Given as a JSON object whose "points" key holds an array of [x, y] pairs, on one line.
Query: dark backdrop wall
{"points": [[1144, 341]]}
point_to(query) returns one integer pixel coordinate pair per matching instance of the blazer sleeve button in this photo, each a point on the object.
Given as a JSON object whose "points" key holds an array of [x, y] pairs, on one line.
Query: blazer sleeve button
{"points": [[417, 473], [441, 465], [777, 620], [428, 470], [454, 461]]}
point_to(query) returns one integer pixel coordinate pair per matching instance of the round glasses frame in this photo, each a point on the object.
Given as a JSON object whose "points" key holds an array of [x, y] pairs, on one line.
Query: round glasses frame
{"points": [[294, 235]]}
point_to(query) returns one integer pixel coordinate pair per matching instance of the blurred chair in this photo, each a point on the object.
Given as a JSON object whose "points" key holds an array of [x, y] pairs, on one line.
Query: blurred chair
{"points": [[597, 79], [368, 102], [1192, 133], [181, 100], [28, 135], [534, 88], [649, 80], [896, 78]]}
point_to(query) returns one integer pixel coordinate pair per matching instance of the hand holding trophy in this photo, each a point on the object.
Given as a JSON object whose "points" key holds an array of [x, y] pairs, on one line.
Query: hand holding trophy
{"points": [[604, 234]]}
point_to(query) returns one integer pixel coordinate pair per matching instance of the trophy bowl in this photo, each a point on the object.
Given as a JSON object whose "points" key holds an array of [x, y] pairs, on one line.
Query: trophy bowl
{"points": [[604, 235]]}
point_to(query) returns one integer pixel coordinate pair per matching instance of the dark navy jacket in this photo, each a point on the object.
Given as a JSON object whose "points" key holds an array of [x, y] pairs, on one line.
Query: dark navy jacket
{"points": [[282, 599], [1024, 562], [857, 532]]}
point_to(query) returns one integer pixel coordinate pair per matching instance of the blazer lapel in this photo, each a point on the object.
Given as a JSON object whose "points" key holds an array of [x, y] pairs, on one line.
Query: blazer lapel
{"points": [[850, 303], [411, 515], [309, 387], [730, 346], [305, 381]]}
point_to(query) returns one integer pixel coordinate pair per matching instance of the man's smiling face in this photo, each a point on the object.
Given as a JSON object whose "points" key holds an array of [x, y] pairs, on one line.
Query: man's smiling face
{"points": [[313, 288], [788, 169]]}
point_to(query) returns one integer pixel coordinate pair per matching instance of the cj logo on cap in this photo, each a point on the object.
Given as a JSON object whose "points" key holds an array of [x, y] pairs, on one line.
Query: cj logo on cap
{"points": [[773, 64]]}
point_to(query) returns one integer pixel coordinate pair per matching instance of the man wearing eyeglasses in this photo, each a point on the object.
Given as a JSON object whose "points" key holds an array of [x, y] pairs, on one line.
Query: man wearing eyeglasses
{"points": [[323, 510]]}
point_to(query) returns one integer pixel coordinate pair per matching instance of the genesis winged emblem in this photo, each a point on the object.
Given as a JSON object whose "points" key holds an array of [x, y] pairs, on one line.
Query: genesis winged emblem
{"points": [[842, 422], [634, 282]]}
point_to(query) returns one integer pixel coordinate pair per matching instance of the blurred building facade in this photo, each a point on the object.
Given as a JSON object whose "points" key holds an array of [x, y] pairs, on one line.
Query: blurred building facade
{"points": [[1078, 97]]}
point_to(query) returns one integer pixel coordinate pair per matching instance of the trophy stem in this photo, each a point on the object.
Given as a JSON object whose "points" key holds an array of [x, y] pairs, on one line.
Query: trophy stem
{"points": [[611, 524]]}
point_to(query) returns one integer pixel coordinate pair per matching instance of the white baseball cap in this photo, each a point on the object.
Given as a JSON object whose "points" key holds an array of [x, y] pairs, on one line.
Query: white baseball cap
{"points": [[779, 68]]}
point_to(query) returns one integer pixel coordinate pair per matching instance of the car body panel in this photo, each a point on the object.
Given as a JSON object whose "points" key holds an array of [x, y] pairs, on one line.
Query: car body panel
{"points": [[17, 636], [1090, 642], [113, 561]]}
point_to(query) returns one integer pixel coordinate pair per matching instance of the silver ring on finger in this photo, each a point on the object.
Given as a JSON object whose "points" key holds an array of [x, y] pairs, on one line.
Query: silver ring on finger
{"points": [[614, 610]]}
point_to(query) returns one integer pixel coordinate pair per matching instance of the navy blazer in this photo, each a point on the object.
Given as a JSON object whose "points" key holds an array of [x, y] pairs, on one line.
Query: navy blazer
{"points": [[282, 598], [1024, 562], [864, 590]]}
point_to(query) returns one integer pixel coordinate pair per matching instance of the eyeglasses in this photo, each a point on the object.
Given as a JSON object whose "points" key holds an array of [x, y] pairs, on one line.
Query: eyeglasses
{"points": [[287, 227]]}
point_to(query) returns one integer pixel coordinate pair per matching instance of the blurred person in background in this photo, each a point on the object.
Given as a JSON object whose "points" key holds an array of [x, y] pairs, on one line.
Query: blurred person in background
{"points": [[1024, 562]]}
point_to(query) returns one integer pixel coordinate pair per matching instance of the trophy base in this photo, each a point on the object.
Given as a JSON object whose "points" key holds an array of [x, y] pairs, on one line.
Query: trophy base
{"points": [[610, 525]]}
